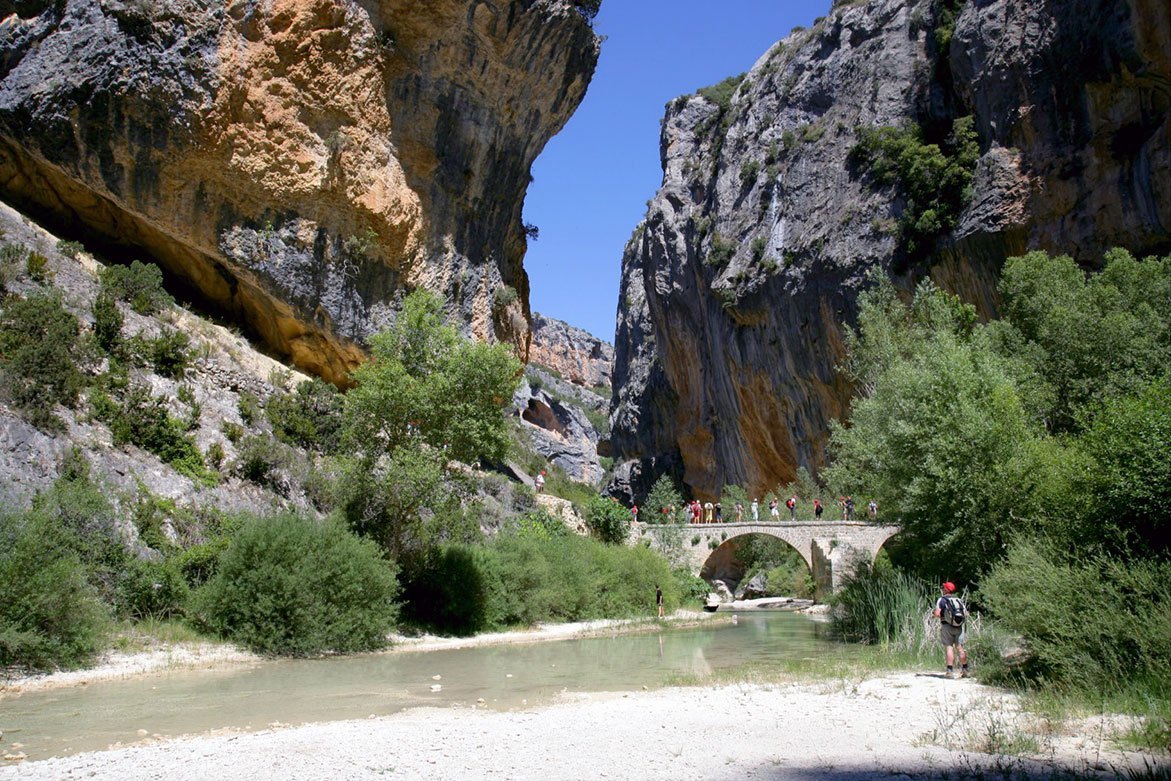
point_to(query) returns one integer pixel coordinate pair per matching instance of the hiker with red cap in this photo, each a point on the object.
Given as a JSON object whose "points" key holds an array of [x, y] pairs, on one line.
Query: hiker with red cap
{"points": [[952, 612]]}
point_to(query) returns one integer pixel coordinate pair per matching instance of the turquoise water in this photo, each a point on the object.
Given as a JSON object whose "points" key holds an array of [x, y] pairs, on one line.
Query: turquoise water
{"points": [[87, 718]]}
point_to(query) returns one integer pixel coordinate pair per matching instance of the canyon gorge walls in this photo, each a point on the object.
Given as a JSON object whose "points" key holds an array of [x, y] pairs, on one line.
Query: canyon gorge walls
{"points": [[737, 286]]}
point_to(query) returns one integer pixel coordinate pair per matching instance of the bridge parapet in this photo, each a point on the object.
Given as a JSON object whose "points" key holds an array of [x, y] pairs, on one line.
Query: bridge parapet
{"points": [[827, 547]]}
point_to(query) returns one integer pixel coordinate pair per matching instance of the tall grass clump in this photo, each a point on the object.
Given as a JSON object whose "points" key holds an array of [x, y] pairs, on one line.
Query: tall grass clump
{"points": [[882, 605], [290, 585]]}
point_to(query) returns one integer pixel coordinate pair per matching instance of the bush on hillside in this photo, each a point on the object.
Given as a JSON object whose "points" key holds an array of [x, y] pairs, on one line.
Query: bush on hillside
{"points": [[290, 585], [85, 524], [139, 418], [310, 416], [108, 322], [38, 357], [139, 284], [49, 615]]}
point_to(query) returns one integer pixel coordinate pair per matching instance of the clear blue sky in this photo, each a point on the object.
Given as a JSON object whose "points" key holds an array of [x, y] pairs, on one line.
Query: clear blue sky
{"points": [[593, 180]]}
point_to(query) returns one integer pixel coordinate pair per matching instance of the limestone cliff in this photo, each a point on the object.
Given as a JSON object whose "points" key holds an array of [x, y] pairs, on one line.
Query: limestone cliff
{"points": [[299, 164], [577, 355], [736, 287]]}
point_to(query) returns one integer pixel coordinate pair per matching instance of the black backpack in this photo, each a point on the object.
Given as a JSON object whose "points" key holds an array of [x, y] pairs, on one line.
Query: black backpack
{"points": [[952, 611]]}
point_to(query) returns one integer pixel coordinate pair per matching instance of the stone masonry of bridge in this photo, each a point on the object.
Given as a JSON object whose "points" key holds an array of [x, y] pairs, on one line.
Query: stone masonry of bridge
{"points": [[829, 548]]}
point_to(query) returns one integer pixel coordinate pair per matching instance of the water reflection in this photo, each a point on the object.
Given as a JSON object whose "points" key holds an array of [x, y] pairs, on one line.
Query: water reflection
{"points": [[297, 691]]}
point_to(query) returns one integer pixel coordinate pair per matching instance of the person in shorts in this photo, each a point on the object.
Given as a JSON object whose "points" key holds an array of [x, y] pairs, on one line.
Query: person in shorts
{"points": [[952, 637]]}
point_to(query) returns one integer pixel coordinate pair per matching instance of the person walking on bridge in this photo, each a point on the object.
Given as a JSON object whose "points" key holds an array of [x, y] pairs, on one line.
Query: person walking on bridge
{"points": [[791, 503], [817, 509], [708, 510], [755, 511]]}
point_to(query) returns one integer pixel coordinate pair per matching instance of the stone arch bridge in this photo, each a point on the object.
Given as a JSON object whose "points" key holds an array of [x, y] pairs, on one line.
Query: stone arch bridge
{"points": [[829, 548]]}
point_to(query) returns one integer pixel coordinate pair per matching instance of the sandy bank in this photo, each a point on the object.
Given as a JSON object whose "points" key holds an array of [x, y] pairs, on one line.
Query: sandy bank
{"points": [[826, 731]]}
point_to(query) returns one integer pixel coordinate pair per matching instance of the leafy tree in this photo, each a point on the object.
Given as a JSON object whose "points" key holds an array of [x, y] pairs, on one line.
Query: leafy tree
{"points": [[424, 382], [290, 585], [403, 502], [1093, 336], [944, 443], [662, 497], [39, 354], [139, 284], [1129, 444]]}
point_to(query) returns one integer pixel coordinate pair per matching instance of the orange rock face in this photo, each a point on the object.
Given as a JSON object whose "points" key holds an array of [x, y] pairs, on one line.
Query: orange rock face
{"points": [[299, 164]]}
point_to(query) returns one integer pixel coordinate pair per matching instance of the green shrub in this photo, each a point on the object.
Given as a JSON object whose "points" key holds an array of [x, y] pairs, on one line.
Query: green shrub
{"points": [[575, 578], [141, 419], [290, 585], [457, 591], [86, 523], [233, 431], [36, 266], [608, 520], [70, 249], [749, 170], [170, 353], [503, 297], [139, 284], [49, 615], [310, 416], [935, 179], [153, 589], [720, 253], [248, 405], [198, 563], [260, 458], [108, 322], [39, 355], [721, 94], [1098, 624]]}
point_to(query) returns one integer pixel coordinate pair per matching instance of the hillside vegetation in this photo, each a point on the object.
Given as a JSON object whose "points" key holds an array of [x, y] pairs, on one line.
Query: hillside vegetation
{"points": [[275, 512]]}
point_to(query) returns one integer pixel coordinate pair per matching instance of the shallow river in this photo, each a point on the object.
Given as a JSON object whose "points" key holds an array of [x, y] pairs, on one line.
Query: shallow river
{"points": [[85, 718]]}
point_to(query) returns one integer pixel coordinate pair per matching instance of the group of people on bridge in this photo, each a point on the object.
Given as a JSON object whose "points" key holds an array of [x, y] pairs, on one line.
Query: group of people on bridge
{"points": [[709, 512]]}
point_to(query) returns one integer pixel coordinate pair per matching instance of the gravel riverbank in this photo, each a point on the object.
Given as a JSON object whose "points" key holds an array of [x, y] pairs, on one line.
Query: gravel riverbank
{"points": [[829, 730]]}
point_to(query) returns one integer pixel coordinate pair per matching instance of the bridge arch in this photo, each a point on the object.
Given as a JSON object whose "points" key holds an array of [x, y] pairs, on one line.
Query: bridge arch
{"points": [[827, 547]]}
